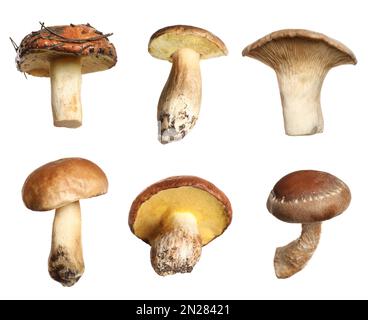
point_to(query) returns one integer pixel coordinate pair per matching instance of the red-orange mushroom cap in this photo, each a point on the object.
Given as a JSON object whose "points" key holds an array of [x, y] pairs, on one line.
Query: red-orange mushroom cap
{"points": [[64, 53]]}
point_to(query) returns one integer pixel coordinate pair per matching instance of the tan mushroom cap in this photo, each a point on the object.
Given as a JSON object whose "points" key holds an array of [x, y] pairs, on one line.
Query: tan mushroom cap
{"points": [[36, 50], [165, 42], [343, 55], [200, 197], [61, 182], [308, 196]]}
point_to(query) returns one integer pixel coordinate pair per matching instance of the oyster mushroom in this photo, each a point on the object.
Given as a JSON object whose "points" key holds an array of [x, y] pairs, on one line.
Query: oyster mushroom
{"points": [[301, 60]]}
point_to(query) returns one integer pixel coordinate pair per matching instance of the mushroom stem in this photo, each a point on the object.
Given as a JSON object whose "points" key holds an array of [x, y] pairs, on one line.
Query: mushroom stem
{"points": [[179, 104], [66, 258], [66, 78], [178, 247], [300, 96], [293, 257]]}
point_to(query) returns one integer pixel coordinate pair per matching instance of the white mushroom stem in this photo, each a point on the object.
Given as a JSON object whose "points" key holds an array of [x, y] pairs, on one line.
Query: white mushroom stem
{"points": [[66, 79], [178, 247], [66, 257], [180, 100], [300, 96], [293, 257]]}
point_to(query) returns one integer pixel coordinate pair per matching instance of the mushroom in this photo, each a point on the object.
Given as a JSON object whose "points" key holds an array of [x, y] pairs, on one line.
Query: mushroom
{"points": [[60, 185], [301, 60], [64, 53], [180, 100], [177, 216], [307, 197]]}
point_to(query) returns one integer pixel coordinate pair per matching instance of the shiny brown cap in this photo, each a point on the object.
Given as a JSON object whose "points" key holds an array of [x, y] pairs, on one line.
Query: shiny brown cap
{"points": [[165, 42], [308, 196], [38, 48], [61, 182]]}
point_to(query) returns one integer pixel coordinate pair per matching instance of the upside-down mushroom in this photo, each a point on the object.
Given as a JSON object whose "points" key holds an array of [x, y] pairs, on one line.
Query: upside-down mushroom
{"points": [[301, 60], [64, 53], [177, 216]]}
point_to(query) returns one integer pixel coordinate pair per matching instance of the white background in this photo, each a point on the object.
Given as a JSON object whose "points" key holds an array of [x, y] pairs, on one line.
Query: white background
{"points": [[238, 144]]}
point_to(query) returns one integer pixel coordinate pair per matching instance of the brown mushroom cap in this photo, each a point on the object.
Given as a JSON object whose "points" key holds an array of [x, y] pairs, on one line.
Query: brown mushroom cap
{"points": [[308, 196], [38, 48], [61, 182], [165, 42], [262, 49], [199, 193]]}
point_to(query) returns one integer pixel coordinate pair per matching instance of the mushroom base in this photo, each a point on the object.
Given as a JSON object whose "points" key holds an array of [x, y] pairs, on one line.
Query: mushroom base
{"points": [[178, 247], [300, 97], [66, 258], [179, 104], [293, 257], [63, 269], [66, 78]]}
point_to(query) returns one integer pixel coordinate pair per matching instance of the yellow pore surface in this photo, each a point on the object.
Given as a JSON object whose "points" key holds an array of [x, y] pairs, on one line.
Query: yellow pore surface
{"points": [[167, 44], [153, 214]]}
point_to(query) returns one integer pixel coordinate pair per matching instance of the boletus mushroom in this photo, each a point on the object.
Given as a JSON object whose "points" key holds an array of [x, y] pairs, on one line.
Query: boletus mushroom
{"points": [[180, 100], [60, 185], [307, 197], [64, 53], [301, 60], [177, 216]]}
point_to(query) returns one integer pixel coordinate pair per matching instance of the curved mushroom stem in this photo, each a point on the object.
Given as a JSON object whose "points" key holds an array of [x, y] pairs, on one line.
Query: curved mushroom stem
{"points": [[178, 247], [66, 78], [179, 104], [292, 258], [66, 257], [300, 96]]}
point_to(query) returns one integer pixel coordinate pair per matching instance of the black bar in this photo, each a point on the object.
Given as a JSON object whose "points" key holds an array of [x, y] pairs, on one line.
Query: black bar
{"points": [[186, 309]]}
